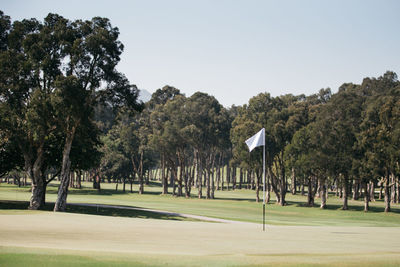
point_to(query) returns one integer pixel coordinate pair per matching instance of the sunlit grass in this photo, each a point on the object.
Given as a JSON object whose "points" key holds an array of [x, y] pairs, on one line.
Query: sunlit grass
{"points": [[237, 205]]}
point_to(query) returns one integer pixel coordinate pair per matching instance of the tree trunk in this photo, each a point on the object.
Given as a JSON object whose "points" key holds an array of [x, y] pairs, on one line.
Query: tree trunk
{"points": [[268, 193], [98, 181], [258, 187], [191, 179], [356, 190], [173, 178], [234, 174], [283, 190], [274, 185], [366, 197], [310, 193], [180, 180], [212, 185], [222, 176], [323, 194], [38, 195], [393, 189], [397, 190], [140, 174], [199, 177], [387, 194], [147, 175], [131, 183], [72, 179], [293, 182], [187, 181], [208, 185], [34, 172], [253, 180], [61, 202], [240, 178], [228, 175], [164, 178], [141, 184], [318, 194], [372, 191], [345, 194], [79, 179], [218, 176], [337, 187]]}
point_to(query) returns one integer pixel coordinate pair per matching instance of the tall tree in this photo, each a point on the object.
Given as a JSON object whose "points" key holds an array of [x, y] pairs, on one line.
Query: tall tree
{"points": [[29, 64], [92, 52]]}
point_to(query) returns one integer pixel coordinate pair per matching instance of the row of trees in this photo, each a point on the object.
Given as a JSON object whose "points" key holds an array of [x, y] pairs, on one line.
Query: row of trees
{"points": [[184, 135], [348, 141], [63, 107]]}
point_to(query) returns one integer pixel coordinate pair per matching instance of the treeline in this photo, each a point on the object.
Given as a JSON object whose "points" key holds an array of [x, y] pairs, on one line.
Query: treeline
{"points": [[64, 108], [347, 142]]}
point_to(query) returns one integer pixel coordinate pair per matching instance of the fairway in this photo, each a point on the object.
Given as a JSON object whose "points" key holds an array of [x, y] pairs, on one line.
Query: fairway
{"points": [[153, 242]]}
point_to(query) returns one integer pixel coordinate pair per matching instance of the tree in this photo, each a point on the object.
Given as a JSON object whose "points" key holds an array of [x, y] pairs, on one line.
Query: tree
{"points": [[29, 64], [379, 136], [156, 121], [92, 52]]}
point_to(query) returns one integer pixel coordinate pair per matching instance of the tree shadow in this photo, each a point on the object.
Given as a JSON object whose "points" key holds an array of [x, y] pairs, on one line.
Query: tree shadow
{"points": [[238, 199], [96, 210], [350, 207], [361, 208], [102, 192]]}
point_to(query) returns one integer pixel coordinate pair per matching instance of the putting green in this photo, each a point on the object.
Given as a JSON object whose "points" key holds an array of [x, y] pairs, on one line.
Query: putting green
{"points": [[155, 242]]}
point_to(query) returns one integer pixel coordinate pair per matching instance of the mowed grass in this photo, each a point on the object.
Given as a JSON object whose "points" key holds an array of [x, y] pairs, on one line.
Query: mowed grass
{"points": [[237, 205], [296, 235], [39, 238], [52, 257]]}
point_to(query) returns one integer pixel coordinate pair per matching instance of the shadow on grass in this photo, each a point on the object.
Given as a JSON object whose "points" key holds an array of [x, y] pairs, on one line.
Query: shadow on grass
{"points": [[350, 207], [94, 210]]}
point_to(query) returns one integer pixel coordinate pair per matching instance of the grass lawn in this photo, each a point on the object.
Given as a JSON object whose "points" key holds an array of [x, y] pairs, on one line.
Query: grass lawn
{"points": [[90, 236], [237, 205], [41, 238], [12, 256]]}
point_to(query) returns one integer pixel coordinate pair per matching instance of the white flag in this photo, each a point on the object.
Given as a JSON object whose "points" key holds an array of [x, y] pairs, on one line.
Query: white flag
{"points": [[256, 140]]}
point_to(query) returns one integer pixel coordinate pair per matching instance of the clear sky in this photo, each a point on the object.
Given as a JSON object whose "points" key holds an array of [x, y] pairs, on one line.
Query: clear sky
{"points": [[237, 49]]}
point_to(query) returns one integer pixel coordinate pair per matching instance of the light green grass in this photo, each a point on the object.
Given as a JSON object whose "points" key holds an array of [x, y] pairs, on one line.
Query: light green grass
{"points": [[237, 205], [12, 256]]}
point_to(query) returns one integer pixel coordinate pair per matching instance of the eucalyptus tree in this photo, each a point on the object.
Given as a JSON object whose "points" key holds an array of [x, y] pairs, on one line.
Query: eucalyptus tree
{"points": [[156, 121], [205, 132], [379, 136], [115, 164], [174, 135], [251, 118], [302, 155], [92, 51], [242, 128], [30, 63], [337, 126]]}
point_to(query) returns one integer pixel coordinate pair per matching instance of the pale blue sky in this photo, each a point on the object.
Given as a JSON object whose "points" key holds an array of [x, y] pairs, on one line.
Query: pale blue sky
{"points": [[237, 49]]}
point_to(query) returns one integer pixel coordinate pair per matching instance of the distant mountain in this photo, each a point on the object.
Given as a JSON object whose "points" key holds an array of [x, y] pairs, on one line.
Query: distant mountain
{"points": [[144, 95]]}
